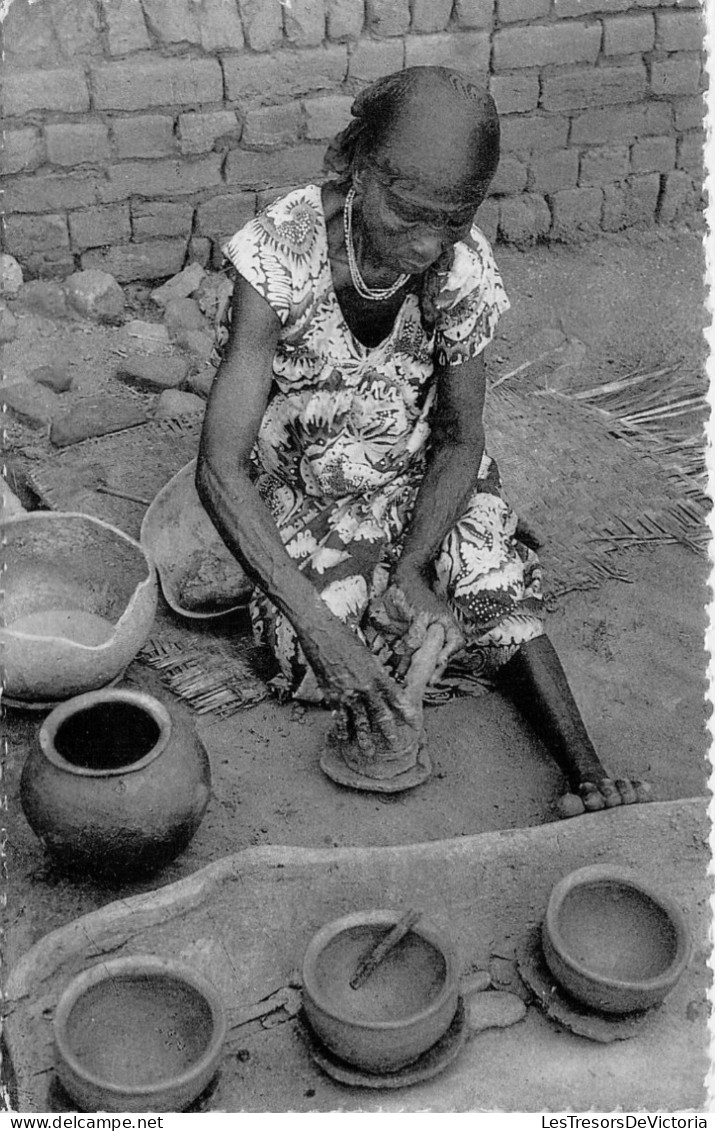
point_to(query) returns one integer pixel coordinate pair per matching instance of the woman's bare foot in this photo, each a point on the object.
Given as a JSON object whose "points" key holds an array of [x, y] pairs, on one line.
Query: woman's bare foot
{"points": [[607, 793]]}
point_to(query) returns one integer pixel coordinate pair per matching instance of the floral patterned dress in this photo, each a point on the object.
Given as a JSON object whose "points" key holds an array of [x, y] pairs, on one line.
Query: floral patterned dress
{"points": [[341, 449]]}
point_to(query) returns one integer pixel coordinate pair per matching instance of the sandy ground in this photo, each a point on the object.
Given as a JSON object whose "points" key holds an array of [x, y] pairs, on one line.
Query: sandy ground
{"points": [[634, 651]]}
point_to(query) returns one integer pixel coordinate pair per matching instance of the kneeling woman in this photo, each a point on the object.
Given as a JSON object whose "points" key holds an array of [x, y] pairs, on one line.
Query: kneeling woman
{"points": [[343, 459]]}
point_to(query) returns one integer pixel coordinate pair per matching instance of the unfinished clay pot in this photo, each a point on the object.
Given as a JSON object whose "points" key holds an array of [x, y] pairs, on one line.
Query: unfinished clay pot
{"points": [[612, 942], [117, 784], [80, 598], [399, 1012], [141, 1033]]}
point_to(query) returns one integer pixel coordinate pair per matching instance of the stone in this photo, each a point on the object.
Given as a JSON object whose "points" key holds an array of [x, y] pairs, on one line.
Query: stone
{"points": [[55, 377], [494, 1009], [197, 342], [11, 505], [153, 337], [96, 416], [152, 374], [30, 404], [213, 293], [524, 219], [173, 402], [200, 383], [179, 286], [10, 275], [49, 300], [8, 324], [183, 314], [96, 295]]}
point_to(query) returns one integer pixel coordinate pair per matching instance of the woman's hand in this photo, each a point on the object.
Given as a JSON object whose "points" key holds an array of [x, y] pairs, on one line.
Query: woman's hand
{"points": [[404, 614]]}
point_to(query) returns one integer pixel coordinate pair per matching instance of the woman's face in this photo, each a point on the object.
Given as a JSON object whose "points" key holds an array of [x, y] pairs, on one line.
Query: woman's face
{"points": [[407, 231]]}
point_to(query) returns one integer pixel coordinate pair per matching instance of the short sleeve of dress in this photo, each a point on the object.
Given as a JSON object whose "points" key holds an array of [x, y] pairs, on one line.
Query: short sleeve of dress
{"points": [[470, 302], [274, 252]]}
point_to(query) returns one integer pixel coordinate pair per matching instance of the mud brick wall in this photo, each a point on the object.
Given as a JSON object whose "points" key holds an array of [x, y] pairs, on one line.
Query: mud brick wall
{"points": [[137, 134]]}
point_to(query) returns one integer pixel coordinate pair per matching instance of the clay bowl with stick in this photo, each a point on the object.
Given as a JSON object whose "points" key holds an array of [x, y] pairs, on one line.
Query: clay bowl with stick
{"points": [[380, 768], [379, 989]]}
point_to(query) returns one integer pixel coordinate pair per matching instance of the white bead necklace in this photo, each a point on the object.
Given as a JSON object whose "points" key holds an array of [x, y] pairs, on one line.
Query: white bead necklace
{"points": [[375, 294]]}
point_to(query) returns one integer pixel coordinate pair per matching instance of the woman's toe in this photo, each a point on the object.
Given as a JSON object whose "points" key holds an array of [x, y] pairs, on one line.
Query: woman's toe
{"points": [[593, 799], [643, 791], [627, 791], [611, 793], [570, 805]]}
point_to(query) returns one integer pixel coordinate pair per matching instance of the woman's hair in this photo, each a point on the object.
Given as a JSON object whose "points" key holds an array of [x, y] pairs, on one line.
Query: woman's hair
{"points": [[436, 100]]}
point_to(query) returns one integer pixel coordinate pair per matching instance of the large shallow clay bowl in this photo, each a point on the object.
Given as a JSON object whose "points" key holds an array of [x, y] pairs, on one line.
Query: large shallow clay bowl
{"points": [[399, 1012], [612, 942], [200, 578], [80, 598], [137, 1034]]}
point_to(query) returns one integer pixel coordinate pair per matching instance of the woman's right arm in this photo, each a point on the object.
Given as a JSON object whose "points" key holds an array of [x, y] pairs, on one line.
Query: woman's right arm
{"points": [[343, 665]]}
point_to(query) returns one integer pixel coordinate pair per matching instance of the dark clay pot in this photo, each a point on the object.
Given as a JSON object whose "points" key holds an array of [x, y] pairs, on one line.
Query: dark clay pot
{"points": [[118, 784]]}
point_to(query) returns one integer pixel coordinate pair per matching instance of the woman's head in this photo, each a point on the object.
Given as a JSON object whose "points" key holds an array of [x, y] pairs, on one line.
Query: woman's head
{"points": [[421, 150]]}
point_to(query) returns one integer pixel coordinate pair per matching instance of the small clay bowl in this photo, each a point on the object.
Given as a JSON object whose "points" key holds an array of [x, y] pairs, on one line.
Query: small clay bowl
{"points": [[399, 1012], [137, 1034], [612, 942], [79, 602]]}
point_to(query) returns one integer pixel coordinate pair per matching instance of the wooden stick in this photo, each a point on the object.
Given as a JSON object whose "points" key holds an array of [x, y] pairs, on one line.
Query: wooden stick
{"points": [[105, 490], [383, 948]]}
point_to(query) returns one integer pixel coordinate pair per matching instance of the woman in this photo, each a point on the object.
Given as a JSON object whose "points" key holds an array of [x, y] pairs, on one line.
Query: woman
{"points": [[342, 459]]}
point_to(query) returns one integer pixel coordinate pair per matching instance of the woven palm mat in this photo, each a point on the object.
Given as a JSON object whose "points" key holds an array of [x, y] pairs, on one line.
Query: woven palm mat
{"points": [[587, 484]]}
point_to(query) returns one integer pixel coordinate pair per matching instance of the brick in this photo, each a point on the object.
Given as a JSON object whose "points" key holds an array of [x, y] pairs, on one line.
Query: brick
{"points": [[173, 403], [621, 124], [325, 117], [689, 112], [262, 21], [515, 92], [304, 22], [96, 295], [199, 250], [165, 177], [152, 259], [634, 202], [77, 26], [152, 374], [199, 132], [680, 74], [284, 74], [223, 215], [151, 219], [576, 213], [20, 150], [296, 165], [58, 378], [691, 154], [511, 176], [30, 404], [538, 46], [77, 143], [627, 35], [533, 133], [512, 11], [388, 17], [220, 26], [524, 219], [29, 39], [653, 155], [552, 172], [96, 416], [468, 52], [270, 127], [430, 15], [605, 164], [61, 89], [680, 31], [578, 88], [46, 299], [140, 84], [372, 58], [344, 19], [172, 21], [48, 192], [144, 135], [267, 196], [126, 29], [474, 14], [8, 332], [35, 233], [97, 226], [183, 314], [676, 195], [487, 218], [52, 263], [567, 9]]}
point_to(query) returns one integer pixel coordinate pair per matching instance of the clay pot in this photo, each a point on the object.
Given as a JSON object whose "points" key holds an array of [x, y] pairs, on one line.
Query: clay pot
{"points": [[80, 598], [137, 1034], [612, 942], [117, 784], [399, 1012]]}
